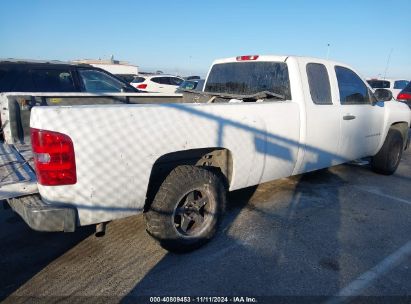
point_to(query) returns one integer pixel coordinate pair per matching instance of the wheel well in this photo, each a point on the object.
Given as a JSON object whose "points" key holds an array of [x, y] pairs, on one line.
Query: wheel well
{"points": [[217, 160], [403, 128]]}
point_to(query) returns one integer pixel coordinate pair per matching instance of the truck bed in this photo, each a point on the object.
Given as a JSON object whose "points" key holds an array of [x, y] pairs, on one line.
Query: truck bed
{"points": [[17, 177]]}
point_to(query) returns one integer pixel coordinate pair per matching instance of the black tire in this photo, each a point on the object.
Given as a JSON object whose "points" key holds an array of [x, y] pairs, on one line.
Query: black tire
{"points": [[386, 161], [186, 210]]}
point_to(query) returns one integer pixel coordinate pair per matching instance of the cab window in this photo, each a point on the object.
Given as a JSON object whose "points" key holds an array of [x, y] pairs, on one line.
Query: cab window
{"points": [[319, 83], [352, 89]]}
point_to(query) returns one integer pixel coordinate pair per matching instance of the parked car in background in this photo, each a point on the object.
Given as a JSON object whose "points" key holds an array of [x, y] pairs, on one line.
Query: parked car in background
{"points": [[192, 77], [56, 76], [194, 85], [157, 83], [394, 85], [405, 95]]}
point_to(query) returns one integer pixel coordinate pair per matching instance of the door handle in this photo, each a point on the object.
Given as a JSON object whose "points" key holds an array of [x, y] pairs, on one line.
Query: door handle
{"points": [[348, 117]]}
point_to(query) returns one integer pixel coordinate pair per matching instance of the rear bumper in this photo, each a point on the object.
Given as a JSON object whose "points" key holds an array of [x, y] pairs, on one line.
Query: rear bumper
{"points": [[44, 217]]}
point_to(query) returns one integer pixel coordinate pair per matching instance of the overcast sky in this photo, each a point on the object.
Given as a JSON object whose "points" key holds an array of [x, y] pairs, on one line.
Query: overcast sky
{"points": [[184, 37]]}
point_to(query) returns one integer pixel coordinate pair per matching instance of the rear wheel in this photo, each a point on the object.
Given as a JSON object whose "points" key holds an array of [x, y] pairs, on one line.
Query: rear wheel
{"points": [[386, 161], [186, 209]]}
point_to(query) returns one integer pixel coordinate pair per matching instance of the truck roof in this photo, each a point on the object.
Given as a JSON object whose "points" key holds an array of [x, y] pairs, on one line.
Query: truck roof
{"points": [[277, 58], [16, 61]]}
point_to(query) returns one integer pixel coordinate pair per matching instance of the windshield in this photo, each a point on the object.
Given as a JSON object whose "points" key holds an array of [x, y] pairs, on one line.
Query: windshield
{"points": [[247, 78], [379, 84], [400, 84]]}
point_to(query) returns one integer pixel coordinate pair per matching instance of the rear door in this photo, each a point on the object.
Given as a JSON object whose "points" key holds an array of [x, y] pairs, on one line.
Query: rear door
{"points": [[52, 80], [273, 123], [157, 84], [360, 118], [166, 84], [322, 124]]}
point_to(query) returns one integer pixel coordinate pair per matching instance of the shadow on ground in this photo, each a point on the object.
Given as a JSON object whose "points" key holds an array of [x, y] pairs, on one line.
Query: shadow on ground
{"points": [[306, 235], [24, 252], [247, 258]]}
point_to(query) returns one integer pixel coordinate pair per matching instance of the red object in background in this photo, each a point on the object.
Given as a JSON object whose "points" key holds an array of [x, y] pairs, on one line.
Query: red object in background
{"points": [[404, 96]]}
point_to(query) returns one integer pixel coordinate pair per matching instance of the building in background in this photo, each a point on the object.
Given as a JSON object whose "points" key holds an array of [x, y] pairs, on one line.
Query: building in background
{"points": [[122, 69]]}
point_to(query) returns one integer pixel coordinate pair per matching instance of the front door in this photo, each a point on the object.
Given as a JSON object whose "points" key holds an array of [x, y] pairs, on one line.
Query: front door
{"points": [[361, 120]]}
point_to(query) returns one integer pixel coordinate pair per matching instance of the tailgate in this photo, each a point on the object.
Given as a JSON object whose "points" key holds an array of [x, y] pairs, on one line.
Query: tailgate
{"points": [[17, 177]]}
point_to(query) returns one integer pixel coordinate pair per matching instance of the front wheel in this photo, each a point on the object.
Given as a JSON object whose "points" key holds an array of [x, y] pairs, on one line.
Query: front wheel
{"points": [[386, 161], [186, 210]]}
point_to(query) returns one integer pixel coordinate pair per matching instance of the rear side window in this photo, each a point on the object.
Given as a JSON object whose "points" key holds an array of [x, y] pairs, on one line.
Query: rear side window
{"points": [[4, 75], [400, 84], [160, 80], [53, 80], [168, 80], [36, 80], [352, 89], [247, 78], [138, 79], [9, 78], [319, 83]]}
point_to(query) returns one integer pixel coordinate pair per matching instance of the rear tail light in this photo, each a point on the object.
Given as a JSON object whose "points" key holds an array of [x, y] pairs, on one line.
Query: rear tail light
{"points": [[404, 96], [248, 57], [54, 158], [142, 86]]}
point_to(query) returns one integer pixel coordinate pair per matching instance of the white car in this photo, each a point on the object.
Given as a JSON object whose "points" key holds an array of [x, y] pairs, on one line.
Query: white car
{"points": [[394, 85], [157, 83]]}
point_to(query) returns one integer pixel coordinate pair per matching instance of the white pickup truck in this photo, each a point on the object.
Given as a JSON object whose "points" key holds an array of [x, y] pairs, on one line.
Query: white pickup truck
{"points": [[260, 118]]}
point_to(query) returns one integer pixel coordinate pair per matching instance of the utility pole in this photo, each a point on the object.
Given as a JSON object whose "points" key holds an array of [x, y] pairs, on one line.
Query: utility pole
{"points": [[328, 50], [388, 63]]}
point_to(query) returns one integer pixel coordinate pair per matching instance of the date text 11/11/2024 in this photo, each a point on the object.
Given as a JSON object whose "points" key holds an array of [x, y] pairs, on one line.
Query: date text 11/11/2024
{"points": [[203, 300]]}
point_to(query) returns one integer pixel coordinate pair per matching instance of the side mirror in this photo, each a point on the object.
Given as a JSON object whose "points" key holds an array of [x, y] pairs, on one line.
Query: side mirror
{"points": [[383, 94]]}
